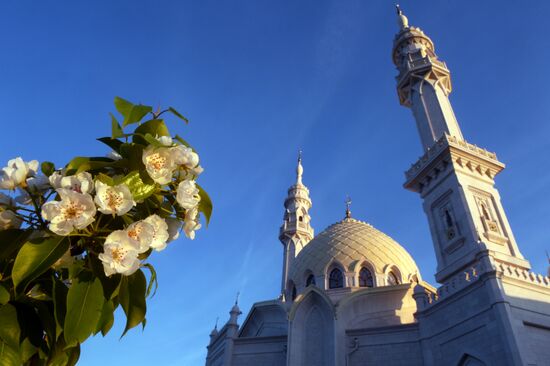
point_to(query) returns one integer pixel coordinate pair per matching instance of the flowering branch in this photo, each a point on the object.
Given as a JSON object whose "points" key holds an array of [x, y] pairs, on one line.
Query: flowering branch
{"points": [[74, 241]]}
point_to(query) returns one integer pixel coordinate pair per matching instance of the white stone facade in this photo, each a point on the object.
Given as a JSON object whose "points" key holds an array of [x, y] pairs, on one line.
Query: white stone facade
{"points": [[353, 296]]}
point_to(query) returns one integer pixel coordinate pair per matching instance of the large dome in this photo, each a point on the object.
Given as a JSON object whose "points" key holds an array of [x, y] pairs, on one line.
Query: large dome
{"points": [[351, 244]]}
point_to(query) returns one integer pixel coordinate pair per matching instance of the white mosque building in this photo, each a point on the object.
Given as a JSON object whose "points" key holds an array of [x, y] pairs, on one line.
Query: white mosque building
{"points": [[352, 295]]}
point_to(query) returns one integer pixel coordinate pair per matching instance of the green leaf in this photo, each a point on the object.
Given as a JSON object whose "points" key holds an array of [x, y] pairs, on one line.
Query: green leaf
{"points": [[11, 240], [9, 355], [116, 130], [4, 295], [152, 281], [132, 113], [138, 188], [132, 299], [111, 142], [178, 114], [154, 127], [9, 331], [47, 168], [60, 291], [84, 305], [84, 164], [205, 204], [35, 257], [104, 178], [107, 319], [26, 350]]}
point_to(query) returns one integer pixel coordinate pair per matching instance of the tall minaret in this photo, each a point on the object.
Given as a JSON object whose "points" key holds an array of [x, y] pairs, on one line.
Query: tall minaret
{"points": [[454, 178], [296, 230]]}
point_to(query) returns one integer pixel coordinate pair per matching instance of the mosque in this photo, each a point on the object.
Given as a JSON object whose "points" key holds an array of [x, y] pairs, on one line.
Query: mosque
{"points": [[352, 295]]}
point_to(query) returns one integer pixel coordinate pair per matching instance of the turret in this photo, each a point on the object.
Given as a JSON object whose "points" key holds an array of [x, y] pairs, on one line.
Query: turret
{"points": [[454, 178], [423, 83], [296, 230]]}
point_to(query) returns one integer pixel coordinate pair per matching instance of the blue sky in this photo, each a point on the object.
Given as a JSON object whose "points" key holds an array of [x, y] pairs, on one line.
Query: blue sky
{"points": [[260, 80]]}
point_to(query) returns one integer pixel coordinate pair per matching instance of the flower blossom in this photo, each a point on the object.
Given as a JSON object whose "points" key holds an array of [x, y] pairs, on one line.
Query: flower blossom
{"points": [[74, 211], [142, 233], [188, 194], [159, 164], [9, 220], [115, 200], [16, 173], [160, 232], [81, 182], [120, 254], [174, 227], [185, 156], [191, 223]]}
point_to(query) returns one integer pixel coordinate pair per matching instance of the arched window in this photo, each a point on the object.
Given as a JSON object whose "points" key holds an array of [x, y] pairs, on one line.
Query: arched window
{"points": [[301, 218], [293, 293], [392, 279], [365, 278], [310, 280], [336, 279]]}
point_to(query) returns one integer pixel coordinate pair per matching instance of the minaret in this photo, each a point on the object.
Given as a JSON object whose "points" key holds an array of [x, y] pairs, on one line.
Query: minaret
{"points": [[296, 230], [454, 178]]}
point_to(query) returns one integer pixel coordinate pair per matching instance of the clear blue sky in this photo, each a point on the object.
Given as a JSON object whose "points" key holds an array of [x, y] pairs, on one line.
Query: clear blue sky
{"points": [[259, 80]]}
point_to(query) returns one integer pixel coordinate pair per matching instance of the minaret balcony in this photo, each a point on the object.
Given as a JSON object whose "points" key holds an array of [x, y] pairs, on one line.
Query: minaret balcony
{"points": [[419, 64], [450, 150]]}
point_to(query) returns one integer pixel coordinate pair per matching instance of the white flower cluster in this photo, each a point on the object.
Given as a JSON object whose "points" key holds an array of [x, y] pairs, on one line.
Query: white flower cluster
{"points": [[122, 247], [22, 176], [80, 198], [165, 162]]}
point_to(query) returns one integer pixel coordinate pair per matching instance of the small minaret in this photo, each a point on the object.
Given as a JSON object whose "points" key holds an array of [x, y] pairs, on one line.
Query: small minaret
{"points": [[454, 178], [214, 333], [423, 83], [296, 230]]}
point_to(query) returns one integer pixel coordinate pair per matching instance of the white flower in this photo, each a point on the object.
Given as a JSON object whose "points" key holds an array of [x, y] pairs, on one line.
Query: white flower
{"points": [[191, 223], [160, 232], [185, 156], [16, 172], [38, 184], [81, 182], [120, 254], [9, 220], [174, 227], [74, 211], [165, 140], [187, 194], [142, 233], [159, 164], [116, 200]]}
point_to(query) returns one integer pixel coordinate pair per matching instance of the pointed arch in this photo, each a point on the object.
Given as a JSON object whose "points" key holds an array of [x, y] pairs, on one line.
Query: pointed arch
{"points": [[391, 273], [335, 265], [312, 329]]}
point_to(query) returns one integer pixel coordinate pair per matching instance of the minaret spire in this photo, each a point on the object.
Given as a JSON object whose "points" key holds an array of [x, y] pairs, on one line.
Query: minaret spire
{"points": [[423, 83], [348, 207], [296, 230], [299, 169], [454, 178], [402, 20]]}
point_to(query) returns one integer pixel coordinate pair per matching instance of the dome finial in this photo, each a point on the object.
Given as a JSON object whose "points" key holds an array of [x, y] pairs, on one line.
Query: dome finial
{"points": [[237, 298], [348, 205], [299, 168], [402, 20]]}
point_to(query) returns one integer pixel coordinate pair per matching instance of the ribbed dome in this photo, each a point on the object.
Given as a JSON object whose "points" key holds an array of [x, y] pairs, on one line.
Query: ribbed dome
{"points": [[350, 242]]}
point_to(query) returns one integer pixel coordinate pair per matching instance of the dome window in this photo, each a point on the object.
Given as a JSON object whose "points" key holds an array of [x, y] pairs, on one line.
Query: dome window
{"points": [[310, 280], [336, 279], [392, 279], [365, 278]]}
